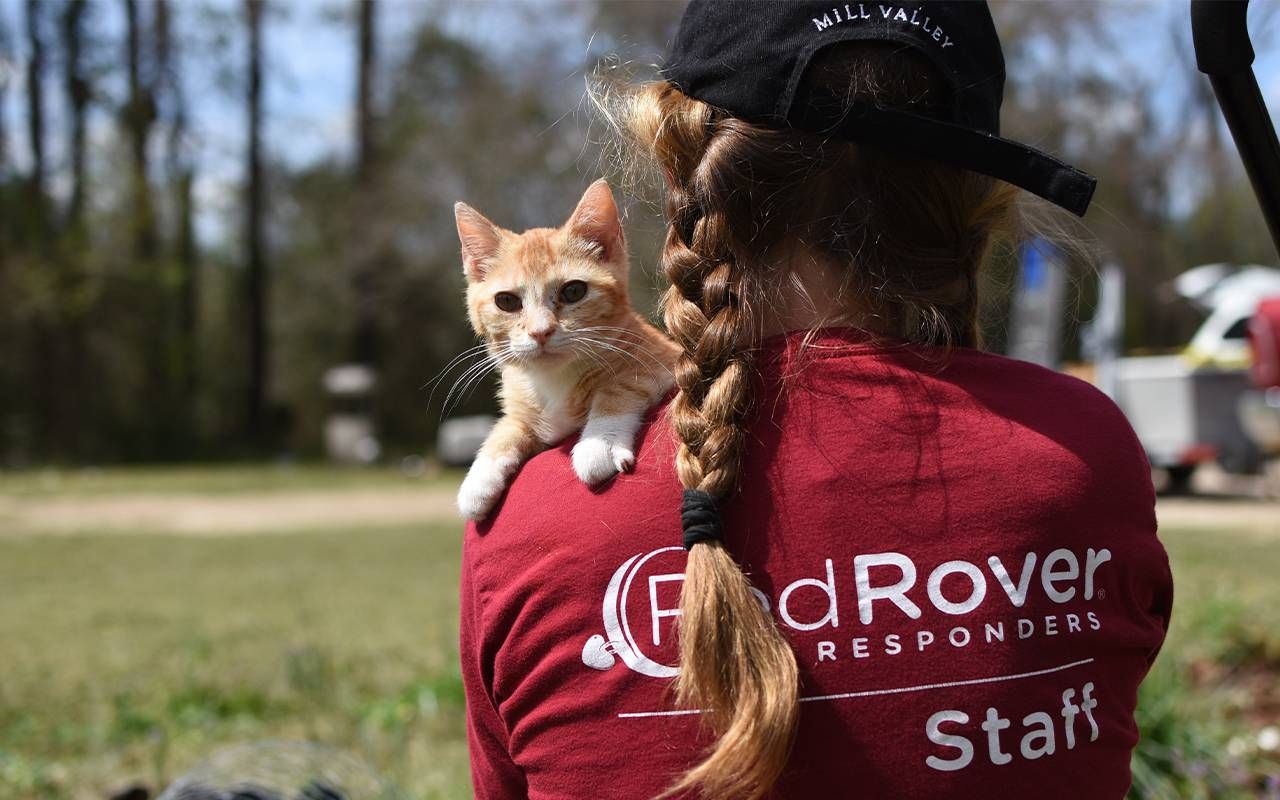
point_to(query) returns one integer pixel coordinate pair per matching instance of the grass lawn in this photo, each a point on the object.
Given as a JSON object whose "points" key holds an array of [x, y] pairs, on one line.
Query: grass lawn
{"points": [[129, 658]]}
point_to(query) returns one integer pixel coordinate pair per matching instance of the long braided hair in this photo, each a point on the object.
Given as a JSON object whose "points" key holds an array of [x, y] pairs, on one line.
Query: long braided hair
{"points": [[734, 662], [908, 236]]}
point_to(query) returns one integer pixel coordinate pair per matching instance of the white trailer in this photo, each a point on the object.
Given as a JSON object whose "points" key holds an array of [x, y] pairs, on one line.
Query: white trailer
{"points": [[1185, 407]]}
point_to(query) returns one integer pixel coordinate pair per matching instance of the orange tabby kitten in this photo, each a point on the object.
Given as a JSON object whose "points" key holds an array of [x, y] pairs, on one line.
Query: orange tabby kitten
{"points": [[551, 305]]}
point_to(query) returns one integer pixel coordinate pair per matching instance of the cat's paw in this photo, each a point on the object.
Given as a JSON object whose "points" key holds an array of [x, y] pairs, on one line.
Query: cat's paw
{"points": [[598, 458], [485, 482]]}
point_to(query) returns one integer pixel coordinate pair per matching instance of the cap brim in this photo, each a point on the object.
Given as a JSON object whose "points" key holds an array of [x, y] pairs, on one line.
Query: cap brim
{"points": [[966, 148]]}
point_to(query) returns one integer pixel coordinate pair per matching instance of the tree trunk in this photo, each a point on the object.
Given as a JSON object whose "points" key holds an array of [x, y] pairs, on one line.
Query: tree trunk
{"points": [[140, 114], [35, 116], [364, 88], [6, 54], [77, 88], [181, 173], [254, 243], [365, 345], [7, 230]]}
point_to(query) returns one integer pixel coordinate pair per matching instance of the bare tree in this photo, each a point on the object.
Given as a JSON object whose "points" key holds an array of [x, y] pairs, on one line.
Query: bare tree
{"points": [[139, 116], [35, 112], [180, 168], [6, 76], [76, 84], [365, 346], [366, 64], [255, 244]]}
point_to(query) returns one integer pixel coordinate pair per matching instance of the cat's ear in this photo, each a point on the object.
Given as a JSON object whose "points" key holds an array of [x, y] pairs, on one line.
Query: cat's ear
{"points": [[596, 220], [480, 239]]}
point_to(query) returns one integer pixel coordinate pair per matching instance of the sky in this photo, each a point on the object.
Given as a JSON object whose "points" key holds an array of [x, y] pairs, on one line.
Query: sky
{"points": [[309, 88], [310, 47]]}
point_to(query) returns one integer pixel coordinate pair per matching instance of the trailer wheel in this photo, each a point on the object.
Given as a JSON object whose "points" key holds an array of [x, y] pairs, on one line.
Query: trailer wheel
{"points": [[1179, 479]]}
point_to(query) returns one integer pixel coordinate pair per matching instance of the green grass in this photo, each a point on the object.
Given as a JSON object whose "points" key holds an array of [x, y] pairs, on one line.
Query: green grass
{"points": [[1216, 684], [130, 658]]}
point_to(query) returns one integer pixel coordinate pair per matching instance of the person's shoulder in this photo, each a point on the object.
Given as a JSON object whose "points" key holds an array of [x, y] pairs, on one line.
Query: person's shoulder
{"points": [[1075, 415], [544, 475], [546, 495], [551, 532], [1035, 386], [541, 496]]}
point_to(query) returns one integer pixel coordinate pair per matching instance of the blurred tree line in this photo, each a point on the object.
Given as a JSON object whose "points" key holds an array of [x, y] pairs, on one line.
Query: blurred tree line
{"points": [[124, 335]]}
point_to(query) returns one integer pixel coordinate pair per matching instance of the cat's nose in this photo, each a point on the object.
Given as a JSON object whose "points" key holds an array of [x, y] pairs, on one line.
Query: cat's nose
{"points": [[540, 335]]}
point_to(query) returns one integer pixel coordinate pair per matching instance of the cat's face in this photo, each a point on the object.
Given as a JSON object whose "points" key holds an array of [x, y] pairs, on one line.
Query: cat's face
{"points": [[531, 295]]}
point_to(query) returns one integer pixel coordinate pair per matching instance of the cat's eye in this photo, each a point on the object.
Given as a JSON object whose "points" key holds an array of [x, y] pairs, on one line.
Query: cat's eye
{"points": [[573, 291], [507, 301]]}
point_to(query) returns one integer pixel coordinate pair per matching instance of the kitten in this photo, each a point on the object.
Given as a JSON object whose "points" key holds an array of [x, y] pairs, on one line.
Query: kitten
{"points": [[551, 305]]}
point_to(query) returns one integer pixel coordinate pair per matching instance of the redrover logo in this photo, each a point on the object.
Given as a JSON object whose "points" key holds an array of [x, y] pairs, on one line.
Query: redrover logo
{"points": [[642, 596]]}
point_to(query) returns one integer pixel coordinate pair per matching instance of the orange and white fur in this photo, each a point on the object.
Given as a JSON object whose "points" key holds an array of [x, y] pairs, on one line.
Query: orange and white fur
{"points": [[551, 306]]}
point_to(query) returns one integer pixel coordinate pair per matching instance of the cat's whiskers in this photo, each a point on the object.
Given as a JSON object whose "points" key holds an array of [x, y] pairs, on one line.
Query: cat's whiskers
{"points": [[472, 375], [465, 354], [455, 391], [621, 347], [627, 347], [636, 338], [591, 342], [582, 349], [612, 347], [613, 331], [475, 381], [470, 380], [480, 351], [611, 328]]}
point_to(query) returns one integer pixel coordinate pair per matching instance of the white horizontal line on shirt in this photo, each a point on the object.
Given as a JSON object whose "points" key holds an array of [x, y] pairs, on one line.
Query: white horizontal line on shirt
{"points": [[873, 692]]}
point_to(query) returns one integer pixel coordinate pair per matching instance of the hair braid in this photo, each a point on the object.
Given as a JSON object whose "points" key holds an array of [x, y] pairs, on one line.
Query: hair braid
{"points": [[735, 663]]}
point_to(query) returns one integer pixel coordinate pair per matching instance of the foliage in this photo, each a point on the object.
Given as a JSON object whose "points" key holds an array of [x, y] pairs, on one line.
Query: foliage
{"points": [[1209, 701], [125, 341]]}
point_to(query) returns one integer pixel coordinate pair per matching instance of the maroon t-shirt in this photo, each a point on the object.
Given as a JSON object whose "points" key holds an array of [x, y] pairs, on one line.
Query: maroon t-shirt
{"points": [[960, 547]]}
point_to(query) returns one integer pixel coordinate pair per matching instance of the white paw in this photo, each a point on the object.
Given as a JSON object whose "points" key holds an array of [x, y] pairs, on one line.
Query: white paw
{"points": [[485, 482], [598, 458]]}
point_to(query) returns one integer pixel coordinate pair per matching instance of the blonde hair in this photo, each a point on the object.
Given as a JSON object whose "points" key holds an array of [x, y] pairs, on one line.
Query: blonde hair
{"points": [[912, 235]]}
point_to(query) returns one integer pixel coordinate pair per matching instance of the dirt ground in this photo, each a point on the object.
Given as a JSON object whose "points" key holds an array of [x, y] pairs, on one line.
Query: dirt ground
{"points": [[1218, 503], [1260, 516], [226, 514]]}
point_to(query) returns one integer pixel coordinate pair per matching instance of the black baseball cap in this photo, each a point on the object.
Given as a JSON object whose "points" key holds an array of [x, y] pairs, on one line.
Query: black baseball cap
{"points": [[748, 56]]}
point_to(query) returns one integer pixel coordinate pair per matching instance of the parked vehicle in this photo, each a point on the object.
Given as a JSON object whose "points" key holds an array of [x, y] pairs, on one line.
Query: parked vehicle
{"points": [[1191, 408]]}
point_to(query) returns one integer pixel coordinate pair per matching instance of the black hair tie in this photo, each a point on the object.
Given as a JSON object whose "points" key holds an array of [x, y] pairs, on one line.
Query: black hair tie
{"points": [[700, 517]]}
